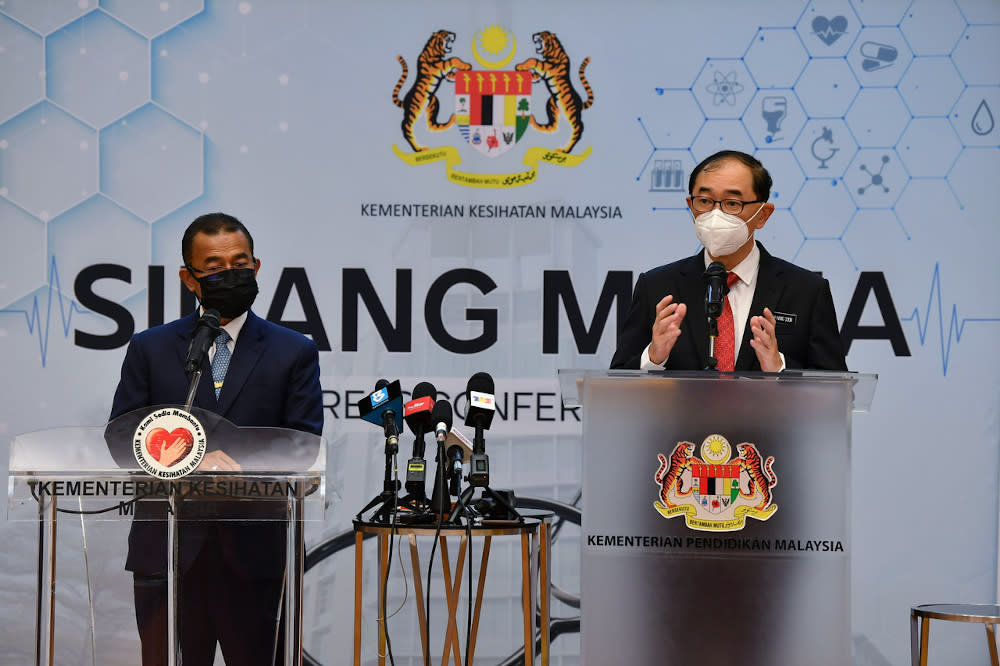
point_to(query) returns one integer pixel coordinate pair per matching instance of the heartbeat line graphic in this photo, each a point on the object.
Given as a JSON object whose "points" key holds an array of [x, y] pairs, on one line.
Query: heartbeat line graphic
{"points": [[956, 326], [37, 323]]}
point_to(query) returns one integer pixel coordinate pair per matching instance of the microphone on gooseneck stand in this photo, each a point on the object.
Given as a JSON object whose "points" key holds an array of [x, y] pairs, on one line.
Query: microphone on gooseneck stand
{"points": [[442, 418], [715, 288], [715, 292], [417, 413], [205, 332]]}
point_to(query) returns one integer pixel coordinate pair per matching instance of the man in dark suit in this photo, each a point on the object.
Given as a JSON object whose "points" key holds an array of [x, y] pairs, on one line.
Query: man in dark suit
{"points": [[232, 572], [782, 316]]}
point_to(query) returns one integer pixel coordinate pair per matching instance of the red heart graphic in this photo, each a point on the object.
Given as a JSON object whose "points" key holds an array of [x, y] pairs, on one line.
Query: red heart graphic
{"points": [[188, 439], [155, 440]]}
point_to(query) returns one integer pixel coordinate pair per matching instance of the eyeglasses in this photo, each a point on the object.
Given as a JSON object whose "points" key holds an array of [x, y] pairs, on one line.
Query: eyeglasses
{"points": [[731, 206], [215, 270]]}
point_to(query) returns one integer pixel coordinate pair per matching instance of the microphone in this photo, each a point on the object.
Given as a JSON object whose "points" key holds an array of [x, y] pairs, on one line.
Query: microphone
{"points": [[481, 408], [384, 407], [442, 417], [454, 469], [715, 288], [481, 402], [417, 413], [205, 332]]}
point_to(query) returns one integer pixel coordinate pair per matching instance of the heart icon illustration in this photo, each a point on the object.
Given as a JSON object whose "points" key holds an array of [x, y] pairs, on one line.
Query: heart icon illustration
{"points": [[829, 30], [155, 440], [185, 434]]}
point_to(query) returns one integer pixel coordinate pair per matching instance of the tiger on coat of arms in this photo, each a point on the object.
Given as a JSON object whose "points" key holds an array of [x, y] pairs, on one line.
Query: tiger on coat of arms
{"points": [[432, 69], [554, 70]]}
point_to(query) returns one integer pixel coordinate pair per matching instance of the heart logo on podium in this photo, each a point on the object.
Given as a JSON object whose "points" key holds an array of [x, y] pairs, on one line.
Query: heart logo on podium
{"points": [[829, 30], [158, 438]]}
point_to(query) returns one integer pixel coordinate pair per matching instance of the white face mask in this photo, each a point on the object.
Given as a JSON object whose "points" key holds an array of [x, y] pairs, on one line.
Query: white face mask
{"points": [[722, 233]]}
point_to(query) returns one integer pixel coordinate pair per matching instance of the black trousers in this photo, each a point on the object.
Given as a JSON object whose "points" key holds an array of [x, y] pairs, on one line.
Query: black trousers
{"points": [[215, 606]]}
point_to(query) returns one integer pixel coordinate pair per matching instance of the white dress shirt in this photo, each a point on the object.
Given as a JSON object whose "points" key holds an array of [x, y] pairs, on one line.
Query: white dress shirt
{"points": [[740, 300], [233, 328]]}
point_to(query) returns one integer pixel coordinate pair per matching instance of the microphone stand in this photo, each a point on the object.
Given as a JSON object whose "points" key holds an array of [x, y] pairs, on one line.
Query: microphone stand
{"points": [[390, 486], [713, 333], [462, 508]]}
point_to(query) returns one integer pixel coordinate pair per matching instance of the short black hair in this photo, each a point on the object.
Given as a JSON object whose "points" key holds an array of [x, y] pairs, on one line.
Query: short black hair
{"points": [[761, 178], [211, 224]]}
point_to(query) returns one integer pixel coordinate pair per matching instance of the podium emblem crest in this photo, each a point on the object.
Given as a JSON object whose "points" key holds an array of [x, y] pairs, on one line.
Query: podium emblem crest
{"points": [[716, 492], [169, 443]]}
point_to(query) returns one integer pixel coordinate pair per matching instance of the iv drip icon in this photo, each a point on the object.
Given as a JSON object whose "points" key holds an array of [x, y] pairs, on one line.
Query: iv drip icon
{"points": [[773, 110]]}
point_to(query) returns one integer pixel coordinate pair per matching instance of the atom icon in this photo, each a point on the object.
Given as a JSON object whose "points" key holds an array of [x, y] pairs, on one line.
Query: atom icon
{"points": [[724, 88]]}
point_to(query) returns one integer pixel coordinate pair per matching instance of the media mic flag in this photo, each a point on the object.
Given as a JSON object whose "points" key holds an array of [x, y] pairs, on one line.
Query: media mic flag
{"points": [[384, 402], [480, 400], [417, 411]]}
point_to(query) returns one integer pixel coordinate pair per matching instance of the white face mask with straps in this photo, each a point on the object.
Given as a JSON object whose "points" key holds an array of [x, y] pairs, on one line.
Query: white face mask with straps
{"points": [[722, 233]]}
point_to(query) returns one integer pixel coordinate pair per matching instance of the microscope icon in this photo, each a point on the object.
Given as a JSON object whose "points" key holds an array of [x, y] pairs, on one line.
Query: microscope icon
{"points": [[773, 110], [825, 154]]}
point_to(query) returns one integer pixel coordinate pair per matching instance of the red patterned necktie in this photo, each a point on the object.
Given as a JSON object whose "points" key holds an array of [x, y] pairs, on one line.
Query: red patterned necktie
{"points": [[725, 343]]}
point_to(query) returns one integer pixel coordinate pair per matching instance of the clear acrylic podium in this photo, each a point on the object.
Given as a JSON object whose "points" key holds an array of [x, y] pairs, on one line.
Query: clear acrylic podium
{"points": [[717, 515], [85, 490]]}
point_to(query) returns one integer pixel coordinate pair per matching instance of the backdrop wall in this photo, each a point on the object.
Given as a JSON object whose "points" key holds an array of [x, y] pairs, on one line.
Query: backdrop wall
{"points": [[509, 249]]}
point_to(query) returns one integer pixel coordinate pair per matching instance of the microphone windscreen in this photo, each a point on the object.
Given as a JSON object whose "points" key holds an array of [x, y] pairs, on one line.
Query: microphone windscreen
{"points": [[443, 414], [424, 390], [715, 269], [481, 382], [382, 383], [211, 317]]}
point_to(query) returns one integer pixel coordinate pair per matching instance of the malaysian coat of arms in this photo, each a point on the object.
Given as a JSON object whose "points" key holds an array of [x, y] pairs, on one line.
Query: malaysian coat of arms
{"points": [[716, 492], [491, 105]]}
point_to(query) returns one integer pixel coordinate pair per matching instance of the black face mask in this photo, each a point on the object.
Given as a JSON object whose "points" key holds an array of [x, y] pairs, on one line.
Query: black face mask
{"points": [[231, 292]]}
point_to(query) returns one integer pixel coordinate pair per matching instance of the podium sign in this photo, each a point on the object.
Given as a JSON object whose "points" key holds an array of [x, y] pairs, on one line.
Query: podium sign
{"points": [[85, 485], [716, 522]]}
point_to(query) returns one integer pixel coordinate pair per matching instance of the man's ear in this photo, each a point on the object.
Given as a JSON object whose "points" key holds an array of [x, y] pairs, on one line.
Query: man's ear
{"points": [[256, 266], [188, 279], [763, 216]]}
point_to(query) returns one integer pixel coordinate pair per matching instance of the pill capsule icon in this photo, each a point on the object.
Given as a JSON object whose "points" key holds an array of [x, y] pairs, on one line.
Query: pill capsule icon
{"points": [[877, 56]]}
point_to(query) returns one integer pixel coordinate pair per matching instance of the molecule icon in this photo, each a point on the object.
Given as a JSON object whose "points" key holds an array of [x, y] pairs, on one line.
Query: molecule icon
{"points": [[876, 178]]}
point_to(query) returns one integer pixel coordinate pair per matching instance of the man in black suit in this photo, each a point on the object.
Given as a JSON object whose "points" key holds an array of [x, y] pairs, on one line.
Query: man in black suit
{"points": [[782, 316], [232, 572]]}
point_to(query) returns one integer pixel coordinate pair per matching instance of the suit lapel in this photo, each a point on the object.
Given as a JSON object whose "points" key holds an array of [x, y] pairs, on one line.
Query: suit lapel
{"points": [[766, 294], [249, 347]]}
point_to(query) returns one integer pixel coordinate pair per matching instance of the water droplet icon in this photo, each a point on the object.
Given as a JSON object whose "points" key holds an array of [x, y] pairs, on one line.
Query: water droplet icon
{"points": [[982, 120]]}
